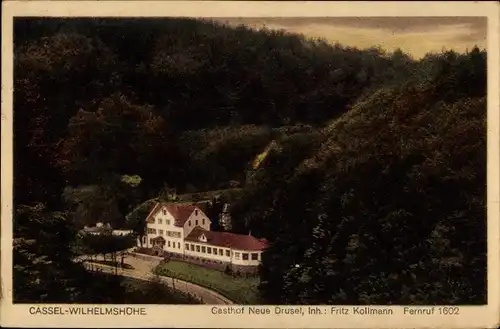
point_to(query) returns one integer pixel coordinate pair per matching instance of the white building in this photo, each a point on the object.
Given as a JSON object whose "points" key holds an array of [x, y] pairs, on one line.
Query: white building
{"points": [[105, 229], [98, 229], [184, 230], [122, 232]]}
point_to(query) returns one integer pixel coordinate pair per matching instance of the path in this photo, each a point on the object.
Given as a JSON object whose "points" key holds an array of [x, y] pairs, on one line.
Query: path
{"points": [[142, 269]]}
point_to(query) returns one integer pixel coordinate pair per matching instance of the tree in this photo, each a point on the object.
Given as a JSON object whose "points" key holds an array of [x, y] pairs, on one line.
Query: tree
{"points": [[136, 219], [105, 244], [338, 150], [366, 205], [120, 137], [44, 270], [43, 68]]}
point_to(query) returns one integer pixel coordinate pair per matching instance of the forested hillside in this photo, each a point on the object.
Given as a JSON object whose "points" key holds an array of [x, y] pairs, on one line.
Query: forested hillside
{"points": [[365, 170]]}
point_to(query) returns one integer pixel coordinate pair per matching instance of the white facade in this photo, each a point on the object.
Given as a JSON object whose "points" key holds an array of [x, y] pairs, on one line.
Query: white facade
{"points": [[197, 218], [229, 255], [122, 232], [162, 223]]}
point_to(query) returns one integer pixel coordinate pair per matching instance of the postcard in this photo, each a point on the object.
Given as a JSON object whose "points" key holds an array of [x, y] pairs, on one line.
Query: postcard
{"points": [[232, 164]]}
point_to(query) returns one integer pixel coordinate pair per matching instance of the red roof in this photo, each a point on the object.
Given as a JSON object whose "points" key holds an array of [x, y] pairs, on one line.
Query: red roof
{"points": [[180, 211], [228, 240]]}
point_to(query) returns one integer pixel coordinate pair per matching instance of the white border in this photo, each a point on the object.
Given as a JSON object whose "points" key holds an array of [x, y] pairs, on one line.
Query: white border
{"points": [[200, 316]]}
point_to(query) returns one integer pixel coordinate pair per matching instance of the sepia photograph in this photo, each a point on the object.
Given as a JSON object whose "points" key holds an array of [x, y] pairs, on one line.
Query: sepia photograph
{"points": [[247, 162]]}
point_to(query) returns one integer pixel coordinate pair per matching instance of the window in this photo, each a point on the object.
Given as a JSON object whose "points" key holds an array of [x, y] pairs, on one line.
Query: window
{"points": [[178, 245], [169, 243], [245, 256], [228, 253], [159, 221], [203, 221], [197, 248], [167, 222], [203, 249], [189, 223], [187, 246], [255, 256], [196, 212], [173, 234], [192, 247], [161, 232], [196, 222], [209, 250], [164, 213], [237, 255], [150, 241], [221, 252]]}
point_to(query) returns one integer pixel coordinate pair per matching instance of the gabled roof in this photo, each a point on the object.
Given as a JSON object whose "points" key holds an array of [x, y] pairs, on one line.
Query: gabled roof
{"points": [[180, 212], [228, 240], [153, 210]]}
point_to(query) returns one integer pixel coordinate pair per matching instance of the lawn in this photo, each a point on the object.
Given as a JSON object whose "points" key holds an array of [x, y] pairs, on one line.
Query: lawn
{"points": [[241, 290]]}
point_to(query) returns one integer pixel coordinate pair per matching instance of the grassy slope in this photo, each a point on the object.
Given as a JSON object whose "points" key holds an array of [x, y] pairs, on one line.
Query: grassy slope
{"points": [[241, 290]]}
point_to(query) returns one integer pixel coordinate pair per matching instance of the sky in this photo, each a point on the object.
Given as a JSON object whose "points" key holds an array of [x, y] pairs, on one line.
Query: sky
{"points": [[414, 35]]}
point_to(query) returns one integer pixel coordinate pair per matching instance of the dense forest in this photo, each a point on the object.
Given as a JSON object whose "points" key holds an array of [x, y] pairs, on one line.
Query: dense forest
{"points": [[365, 169]]}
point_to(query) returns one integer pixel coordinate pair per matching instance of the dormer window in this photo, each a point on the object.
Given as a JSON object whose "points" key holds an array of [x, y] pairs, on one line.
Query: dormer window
{"points": [[202, 238]]}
